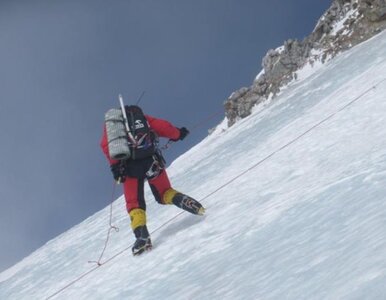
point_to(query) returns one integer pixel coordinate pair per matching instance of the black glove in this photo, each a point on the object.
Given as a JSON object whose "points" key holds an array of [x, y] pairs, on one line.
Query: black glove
{"points": [[119, 170], [183, 133]]}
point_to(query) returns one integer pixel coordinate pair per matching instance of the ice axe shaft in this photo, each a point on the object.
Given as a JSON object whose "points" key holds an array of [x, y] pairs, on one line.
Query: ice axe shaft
{"points": [[130, 135]]}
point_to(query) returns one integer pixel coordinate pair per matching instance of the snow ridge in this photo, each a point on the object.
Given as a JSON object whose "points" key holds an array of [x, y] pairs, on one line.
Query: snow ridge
{"points": [[345, 24]]}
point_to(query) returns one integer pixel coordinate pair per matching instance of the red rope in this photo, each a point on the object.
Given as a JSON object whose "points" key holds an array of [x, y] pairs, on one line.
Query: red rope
{"points": [[99, 264], [111, 227]]}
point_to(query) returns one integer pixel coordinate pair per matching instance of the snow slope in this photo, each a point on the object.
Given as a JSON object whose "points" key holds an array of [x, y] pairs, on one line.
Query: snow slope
{"points": [[308, 221]]}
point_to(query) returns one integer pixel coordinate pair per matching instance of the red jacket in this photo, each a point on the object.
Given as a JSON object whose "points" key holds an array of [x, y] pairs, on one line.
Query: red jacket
{"points": [[161, 127]]}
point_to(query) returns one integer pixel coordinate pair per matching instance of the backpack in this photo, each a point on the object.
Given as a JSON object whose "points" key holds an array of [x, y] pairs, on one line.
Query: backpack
{"points": [[142, 139], [118, 146]]}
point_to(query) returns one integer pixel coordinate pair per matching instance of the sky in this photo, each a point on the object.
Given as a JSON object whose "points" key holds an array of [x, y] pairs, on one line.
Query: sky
{"points": [[63, 64]]}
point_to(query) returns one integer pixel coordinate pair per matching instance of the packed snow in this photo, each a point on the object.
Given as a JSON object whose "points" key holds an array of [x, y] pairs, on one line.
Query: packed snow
{"points": [[295, 207]]}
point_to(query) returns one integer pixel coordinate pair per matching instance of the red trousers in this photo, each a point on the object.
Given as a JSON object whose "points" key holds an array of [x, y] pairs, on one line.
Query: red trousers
{"points": [[134, 190]]}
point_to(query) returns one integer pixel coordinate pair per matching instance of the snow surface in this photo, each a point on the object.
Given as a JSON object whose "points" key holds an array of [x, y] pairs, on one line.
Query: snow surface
{"points": [[307, 222], [312, 66]]}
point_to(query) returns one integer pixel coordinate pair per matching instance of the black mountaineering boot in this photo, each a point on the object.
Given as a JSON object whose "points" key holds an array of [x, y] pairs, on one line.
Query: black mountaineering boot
{"points": [[143, 242], [189, 204]]}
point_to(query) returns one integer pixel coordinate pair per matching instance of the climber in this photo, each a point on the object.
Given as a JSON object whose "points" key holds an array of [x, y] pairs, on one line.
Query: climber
{"points": [[146, 163]]}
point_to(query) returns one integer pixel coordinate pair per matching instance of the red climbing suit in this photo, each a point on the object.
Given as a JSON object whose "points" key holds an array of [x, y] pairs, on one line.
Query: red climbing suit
{"points": [[134, 186]]}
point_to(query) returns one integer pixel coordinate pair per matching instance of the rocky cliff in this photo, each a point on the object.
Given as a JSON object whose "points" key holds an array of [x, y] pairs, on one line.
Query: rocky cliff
{"points": [[345, 24]]}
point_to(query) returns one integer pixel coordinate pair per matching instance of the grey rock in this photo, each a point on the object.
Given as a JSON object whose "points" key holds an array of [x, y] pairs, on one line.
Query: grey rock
{"points": [[280, 65]]}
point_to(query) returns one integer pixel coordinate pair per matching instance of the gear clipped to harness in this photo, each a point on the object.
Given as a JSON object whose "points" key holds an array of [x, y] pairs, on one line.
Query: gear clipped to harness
{"points": [[142, 140]]}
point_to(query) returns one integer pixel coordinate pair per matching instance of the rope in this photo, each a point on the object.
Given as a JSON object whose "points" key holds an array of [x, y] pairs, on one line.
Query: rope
{"points": [[111, 227], [195, 126], [225, 184], [210, 117]]}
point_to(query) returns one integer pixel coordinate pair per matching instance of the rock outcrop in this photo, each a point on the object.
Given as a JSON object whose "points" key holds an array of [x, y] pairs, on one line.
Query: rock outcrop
{"points": [[345, 24]]}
